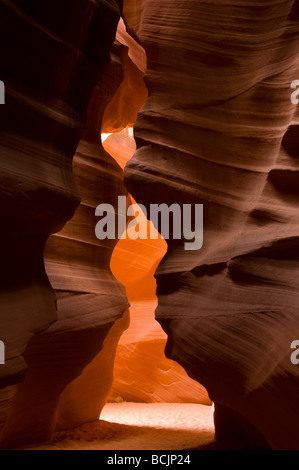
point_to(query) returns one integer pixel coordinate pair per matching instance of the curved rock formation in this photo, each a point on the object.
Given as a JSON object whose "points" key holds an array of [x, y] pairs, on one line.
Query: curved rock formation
{"points": [[142, 373], [218, 129], [50, 71], [70, 362]]}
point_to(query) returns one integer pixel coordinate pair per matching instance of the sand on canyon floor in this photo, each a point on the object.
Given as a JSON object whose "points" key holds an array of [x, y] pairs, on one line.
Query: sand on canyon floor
{"points": [[140, 426]]}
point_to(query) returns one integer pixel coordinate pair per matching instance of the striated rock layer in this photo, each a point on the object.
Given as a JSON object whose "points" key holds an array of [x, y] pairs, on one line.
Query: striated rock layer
{"points": [[219, 129], [70, 353], [50, 68]]}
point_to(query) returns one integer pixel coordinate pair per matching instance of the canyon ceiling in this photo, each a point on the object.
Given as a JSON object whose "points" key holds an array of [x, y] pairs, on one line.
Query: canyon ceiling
{"points": [[207, 87]]}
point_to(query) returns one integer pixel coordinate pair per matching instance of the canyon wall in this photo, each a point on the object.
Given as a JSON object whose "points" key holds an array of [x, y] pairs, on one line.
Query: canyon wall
{"points": [[52, 61], [63, 319], [219, 129]]}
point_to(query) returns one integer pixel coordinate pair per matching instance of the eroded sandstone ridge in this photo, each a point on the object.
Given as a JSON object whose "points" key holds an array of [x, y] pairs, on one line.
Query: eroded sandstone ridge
{"points": [[52, 61], [219, 129]]}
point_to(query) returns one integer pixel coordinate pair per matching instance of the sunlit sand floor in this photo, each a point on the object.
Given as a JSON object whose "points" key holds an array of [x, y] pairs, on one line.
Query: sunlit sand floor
{"points": [[140, 426]]}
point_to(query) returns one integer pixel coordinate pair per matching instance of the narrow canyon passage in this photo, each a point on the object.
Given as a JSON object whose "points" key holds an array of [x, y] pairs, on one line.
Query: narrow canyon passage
{"points": [[149, 224]]}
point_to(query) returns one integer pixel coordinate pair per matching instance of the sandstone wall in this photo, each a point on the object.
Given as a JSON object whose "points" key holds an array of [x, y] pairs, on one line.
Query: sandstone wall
{"points": [[219, 129]]}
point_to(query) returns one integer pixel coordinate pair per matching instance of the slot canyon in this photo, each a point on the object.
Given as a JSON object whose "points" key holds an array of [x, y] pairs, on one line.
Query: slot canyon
{"points": [[137, 342]]}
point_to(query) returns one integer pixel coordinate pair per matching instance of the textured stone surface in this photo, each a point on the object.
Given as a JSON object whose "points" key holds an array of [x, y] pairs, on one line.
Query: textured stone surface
{"points": [[50, 71], [219, 129], [89, 300]]}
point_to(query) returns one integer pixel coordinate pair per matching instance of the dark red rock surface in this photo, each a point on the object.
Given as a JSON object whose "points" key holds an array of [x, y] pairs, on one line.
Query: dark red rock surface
{"points": [[52, 61], [219, 129]]}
